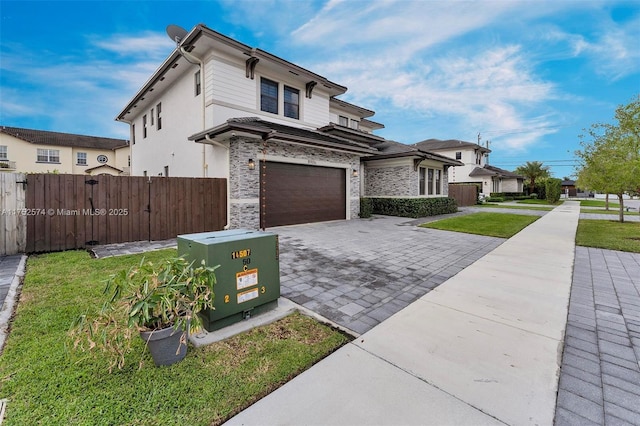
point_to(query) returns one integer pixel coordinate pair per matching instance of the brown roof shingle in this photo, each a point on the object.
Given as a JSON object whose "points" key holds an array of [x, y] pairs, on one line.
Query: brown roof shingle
{"points": [[43, 137]]}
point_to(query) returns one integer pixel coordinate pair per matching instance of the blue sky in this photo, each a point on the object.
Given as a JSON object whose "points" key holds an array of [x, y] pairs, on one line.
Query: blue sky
{"points": [[528, 76]]}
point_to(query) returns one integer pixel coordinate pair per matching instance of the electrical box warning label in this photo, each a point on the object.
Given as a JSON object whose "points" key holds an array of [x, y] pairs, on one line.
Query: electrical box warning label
{"points": [[248, 295], [246, 279]]}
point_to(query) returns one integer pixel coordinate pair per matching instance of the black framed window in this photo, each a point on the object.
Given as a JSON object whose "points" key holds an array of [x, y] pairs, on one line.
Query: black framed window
{"points": [[268, 96], [197, 84], [291, 102]]}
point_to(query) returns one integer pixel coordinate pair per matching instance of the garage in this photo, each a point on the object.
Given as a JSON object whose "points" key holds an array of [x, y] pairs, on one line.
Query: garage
{"points": [[296, 193]]}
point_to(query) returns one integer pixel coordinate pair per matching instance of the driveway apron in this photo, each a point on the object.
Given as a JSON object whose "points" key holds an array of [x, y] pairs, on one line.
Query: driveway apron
{"points": [[358, 273]]}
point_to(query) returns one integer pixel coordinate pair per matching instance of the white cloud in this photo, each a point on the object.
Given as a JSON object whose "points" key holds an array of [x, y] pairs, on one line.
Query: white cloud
{"points": [[146, 45], [82, 93]]}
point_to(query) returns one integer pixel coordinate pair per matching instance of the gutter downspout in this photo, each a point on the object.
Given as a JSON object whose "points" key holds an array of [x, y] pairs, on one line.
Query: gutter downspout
{"points": [[197, 61], [211, 141]]}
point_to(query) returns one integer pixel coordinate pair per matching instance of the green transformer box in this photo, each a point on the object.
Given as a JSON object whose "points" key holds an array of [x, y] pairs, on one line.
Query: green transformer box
{"points": [[248, 279]]}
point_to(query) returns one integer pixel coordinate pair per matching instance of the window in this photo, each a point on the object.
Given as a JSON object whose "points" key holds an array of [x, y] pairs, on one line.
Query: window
{"points": [[197, 84], [151, 117], [291, 102], [430, 181], [355, 124], [343, 121], [81, 158], [459, 155], [158, 116], [3, 152], [478, 157], [144, 126], [268, 96], [48, 156], [133, 134]]}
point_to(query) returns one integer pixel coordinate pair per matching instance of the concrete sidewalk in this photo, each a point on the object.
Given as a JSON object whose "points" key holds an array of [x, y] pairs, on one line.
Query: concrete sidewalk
{"points": [[482, 348]]}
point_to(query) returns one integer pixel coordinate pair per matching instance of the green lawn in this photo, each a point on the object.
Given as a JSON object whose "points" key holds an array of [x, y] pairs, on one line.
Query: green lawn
{"points": [[536, 201], [614, 211], [502, 225], [609, 235], [47, 383], [511, 206], [597, 203]]}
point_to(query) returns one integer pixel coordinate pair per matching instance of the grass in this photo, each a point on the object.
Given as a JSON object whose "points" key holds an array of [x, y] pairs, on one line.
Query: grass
{"points": [[47, 383], [609, 235], [503, 225], [536, 201], [511, 206], [598, 203], [615, 211]]}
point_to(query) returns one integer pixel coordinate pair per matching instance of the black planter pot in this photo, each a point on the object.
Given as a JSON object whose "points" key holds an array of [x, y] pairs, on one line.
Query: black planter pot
{"points": [[167, 346]]}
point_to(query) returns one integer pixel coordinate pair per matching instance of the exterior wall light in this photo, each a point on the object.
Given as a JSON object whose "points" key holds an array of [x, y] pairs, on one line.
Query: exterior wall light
{"points": [[354, 173], [251, 164]]}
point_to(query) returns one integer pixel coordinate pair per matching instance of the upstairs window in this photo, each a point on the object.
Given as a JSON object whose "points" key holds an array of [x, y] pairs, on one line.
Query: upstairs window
{"points": [[355, 124], [151, 115], [144, 126], [197, 84], [268, 96], [48, 156], [81, 158], [158, 116], [133, 134], [459, 155], [343, 121], [3, 152], [291, 102]]}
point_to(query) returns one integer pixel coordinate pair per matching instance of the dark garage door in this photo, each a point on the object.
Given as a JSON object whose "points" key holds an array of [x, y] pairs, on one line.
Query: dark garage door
{"points": [[294, 193]]}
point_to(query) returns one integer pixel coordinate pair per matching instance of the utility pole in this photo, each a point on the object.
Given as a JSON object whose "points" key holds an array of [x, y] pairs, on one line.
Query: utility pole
{"points": [[487, 154]]}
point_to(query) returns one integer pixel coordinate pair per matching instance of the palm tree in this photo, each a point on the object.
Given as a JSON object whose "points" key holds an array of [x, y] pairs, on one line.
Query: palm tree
{"points": [[533, 170]]}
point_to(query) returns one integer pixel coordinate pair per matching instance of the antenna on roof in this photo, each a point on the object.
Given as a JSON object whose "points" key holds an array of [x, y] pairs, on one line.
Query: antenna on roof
{"points": [[176, 33]]}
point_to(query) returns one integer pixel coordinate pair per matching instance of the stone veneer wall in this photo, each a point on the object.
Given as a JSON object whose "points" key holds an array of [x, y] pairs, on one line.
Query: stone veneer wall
{"points": [[395, 181], [244, 184]]}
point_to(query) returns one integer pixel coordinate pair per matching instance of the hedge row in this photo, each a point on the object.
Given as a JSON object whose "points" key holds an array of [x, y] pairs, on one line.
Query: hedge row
{"points": [[407, 207]]}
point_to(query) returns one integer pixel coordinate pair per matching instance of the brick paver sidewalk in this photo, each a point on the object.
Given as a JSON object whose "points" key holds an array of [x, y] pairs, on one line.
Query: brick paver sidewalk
{"points": [[600, 376]]}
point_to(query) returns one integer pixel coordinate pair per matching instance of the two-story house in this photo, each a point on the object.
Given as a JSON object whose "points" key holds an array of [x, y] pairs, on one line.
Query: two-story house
{"points": [[39, 151], [291, 151], [475, 169]]}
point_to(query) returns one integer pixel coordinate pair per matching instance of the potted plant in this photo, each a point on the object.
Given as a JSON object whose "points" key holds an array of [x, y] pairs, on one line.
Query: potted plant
{"points": [[160, 302]]}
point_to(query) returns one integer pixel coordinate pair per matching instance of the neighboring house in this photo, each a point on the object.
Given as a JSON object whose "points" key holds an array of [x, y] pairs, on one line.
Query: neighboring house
{"points": [[291, 151], [475, 169], [569, 188], [39, 151]]}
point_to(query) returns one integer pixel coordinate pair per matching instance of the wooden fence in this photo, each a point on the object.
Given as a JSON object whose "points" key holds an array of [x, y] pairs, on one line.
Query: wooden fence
{"points": [[66, 212], [464, 194], [13, 223]]}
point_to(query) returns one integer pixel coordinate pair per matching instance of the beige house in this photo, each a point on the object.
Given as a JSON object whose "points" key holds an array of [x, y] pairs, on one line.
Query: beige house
{"points": [[39, 151]]}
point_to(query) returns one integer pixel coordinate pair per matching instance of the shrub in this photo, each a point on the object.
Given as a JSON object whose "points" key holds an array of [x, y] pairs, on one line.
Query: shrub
{"points": [[412, 207], [495, 199], [366, 207], [553, 188], [507, 195]]}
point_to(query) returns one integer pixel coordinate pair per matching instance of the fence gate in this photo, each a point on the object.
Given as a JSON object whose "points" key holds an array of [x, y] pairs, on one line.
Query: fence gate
{"points": [[76, 211], [464, 194], [13, 223]]}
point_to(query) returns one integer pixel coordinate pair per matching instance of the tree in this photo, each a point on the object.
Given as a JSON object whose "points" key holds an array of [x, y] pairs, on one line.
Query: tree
{"points": [[610, 160], [533, 170]]}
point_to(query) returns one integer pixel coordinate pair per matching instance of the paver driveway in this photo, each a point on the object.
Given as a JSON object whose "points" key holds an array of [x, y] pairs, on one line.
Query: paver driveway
{"points": [[357, 273]]}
